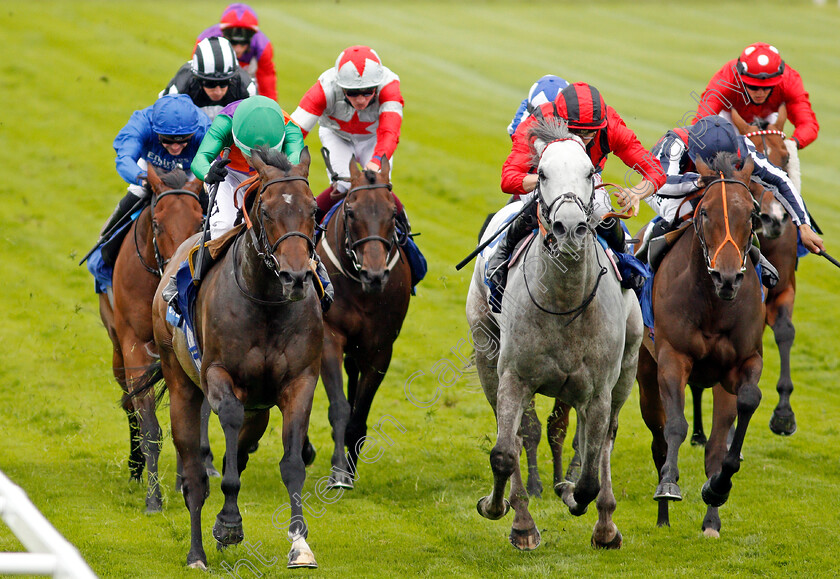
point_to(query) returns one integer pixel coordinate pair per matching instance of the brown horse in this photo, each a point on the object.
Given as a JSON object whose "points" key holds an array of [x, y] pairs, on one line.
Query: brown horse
{"points": [[372, 290], [258, 326], [173, 215], [708, 321]]}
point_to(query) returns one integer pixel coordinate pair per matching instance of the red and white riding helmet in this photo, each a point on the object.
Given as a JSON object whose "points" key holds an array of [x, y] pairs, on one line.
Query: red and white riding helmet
{"points": [[358, 67], [582, 106], [761, 65]]}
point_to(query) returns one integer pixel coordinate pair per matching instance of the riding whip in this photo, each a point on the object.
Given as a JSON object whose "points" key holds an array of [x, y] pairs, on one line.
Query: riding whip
{"points": [[116, 227], [481, 247], [829, 258], [201, 257]]}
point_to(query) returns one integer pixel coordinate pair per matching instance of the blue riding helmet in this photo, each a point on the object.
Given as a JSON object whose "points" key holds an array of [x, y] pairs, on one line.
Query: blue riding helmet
{"points": [[545, 90], [175, 114], [712, 135]]}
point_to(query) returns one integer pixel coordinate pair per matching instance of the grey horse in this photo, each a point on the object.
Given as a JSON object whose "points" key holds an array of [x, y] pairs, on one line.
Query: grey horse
{"points": [[566, 330]]}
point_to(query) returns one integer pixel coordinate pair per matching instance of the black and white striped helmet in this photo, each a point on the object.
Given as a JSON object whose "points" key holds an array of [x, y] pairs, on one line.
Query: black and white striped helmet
{"points": [[214, 59]]}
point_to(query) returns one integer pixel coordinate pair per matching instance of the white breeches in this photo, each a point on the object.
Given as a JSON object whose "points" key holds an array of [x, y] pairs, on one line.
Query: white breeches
{"points": [[341, 151], [223, 213]]}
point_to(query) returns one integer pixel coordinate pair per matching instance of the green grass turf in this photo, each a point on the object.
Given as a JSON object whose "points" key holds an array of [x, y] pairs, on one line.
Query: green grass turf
{"points": [[73, 72]]}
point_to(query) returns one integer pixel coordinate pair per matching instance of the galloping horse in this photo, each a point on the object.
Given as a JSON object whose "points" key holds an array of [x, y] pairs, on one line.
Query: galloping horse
{"points": [[560, 292], [708, 321], [173, 215], [372, 289], [258, 326]]}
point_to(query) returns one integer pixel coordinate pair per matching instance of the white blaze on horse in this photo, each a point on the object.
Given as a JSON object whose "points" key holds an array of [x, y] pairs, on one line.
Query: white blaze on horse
{"points": [[566, 330]]}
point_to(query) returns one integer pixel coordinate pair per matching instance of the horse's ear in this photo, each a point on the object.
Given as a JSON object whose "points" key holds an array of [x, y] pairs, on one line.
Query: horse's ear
{"points": [[153, 179], [746, 172], [303, 163], [257, 162], [385, 168], [355, 172], [539, 146], [780, 122], [702, 167], [195, 185]]}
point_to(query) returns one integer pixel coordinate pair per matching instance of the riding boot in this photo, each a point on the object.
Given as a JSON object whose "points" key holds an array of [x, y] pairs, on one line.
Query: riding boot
{"points": [[769, 274], [612, 232], [497, 265], [326, 285], [203, 261], [403, 226], [125, 205], [111, 243]]}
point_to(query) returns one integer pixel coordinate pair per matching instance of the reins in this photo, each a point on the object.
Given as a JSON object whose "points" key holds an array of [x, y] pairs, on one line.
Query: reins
{"points": [[161, 263]]}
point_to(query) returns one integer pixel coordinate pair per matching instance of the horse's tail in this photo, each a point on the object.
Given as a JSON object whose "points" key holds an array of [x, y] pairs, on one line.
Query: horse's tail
{"points": [[150, 378]]}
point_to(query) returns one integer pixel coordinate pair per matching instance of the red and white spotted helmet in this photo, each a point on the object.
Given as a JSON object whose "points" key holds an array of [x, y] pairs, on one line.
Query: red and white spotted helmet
{"points": [[358, 67], [761, 65]]}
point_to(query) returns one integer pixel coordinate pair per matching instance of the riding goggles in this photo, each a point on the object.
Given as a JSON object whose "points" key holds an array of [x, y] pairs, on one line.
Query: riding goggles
{"points": [[206, 83], [366, 92], [174, 139], [238, 35]]}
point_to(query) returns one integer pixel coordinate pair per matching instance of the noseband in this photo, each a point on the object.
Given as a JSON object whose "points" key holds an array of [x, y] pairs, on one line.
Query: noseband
{"points": [[161, 263], [698, 225], [350, 245]]}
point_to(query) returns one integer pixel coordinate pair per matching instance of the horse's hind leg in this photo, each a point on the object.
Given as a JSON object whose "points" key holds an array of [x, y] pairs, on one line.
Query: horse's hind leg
{"points": [[252, 430], [555, 429], [715, 491], [723, 417], [341, 476], [779, 317], [531, 430], [206, 451], [295, 402], [148, 427], [185, 411], [524, 534], [698, 436], [228, 527]]}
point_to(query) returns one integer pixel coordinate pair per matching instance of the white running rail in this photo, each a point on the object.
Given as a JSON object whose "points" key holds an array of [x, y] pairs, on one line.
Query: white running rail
{"points": [[49, 552]]}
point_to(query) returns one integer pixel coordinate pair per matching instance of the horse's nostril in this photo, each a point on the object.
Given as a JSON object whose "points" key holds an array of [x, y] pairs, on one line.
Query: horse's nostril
{"points": [[558, 229], [739, 277], [580, 230], [286, 278], [716, 277]]}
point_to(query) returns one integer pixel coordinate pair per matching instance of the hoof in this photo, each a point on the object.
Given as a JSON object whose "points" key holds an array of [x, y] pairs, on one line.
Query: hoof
{"points": [[211, 471], [535, 489], [227, 534], [340, 480], [153, 510], [486, 515], [698, 439], [711, 533], [783, 425], [614, 544], [526, 540], [712, 498], [667, 492], [301, 556], [560, 487], [200, 565]]}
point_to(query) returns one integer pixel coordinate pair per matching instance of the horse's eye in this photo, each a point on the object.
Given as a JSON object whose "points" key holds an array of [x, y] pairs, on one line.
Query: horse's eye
{"points": [[264, 213], [541, 175], [349, 212]]}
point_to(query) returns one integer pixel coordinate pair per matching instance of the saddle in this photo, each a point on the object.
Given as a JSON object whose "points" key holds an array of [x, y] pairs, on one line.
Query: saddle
{"points": [[658, 247]]}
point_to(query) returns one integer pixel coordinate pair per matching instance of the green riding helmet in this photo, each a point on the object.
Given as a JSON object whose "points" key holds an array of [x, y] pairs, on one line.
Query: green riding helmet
{"points": [[258, 121]]}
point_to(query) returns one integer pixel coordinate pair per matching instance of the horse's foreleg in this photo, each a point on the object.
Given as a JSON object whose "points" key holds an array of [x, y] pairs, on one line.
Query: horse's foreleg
{"points": [[780, 318], [148, 426], [206, 452], [716, 490], [228, 527], [185, 413], [295, 402], [372, 373], [723, 417], [555, 429], [512, 399], [698, 436], [531, 430], [653, 414], [332, 356], [673, 371], [524, 534]]}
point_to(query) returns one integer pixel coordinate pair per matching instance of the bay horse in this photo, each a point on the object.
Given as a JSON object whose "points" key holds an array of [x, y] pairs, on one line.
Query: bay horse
{"points": [[708, 322], [560, 292], [258, 326], [372, 290], [173, 215]]}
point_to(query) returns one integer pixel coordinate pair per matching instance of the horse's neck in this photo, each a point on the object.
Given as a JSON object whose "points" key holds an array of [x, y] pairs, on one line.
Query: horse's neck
{"points": [[254, 276], [144, 235], [568, 278]]}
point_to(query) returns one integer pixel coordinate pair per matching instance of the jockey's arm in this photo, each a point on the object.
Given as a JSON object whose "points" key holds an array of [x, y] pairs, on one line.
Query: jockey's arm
{"points": [[630, 197], [810, 239], [529, 182]]}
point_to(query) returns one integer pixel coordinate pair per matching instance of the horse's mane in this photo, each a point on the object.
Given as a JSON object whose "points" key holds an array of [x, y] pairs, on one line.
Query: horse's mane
{"points": [[273, 157], [370, 176], [548, 129], [724, 162], [174, 179]]}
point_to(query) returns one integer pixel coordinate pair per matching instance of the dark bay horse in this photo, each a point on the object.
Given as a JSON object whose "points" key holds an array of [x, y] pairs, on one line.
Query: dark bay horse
{"points": [[372, 289], [708, 322], [559, 293], [173, 215], [258, 325]]}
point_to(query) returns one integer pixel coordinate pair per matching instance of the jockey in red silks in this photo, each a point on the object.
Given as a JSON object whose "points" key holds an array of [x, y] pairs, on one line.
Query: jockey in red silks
{"points": [[755, 86], [239, 24], [602, 132]]}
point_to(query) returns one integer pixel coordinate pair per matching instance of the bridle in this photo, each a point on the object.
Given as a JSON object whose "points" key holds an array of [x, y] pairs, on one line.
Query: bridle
{"points": [[728, 239], [264, 247], [350, 245], [161, 263]]}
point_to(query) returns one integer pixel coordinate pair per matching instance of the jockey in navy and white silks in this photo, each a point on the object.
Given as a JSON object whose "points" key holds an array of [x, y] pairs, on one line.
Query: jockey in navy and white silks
{"points": [[677, 151], [543, 91]]}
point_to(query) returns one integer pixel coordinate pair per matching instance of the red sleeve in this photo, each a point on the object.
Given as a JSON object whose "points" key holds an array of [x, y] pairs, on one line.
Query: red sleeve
{"points": [[626, 146], [314, 102], [518, 164], [799, 109], [390, 120], [721, 94], [266, 75]]}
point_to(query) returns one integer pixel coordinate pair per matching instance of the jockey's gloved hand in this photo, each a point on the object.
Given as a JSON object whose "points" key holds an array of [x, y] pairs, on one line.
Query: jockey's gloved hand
{"points": [[217, 172]]}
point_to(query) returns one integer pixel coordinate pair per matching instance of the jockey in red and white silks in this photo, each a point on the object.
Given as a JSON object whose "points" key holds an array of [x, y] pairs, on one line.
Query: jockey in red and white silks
{"points": [[359, 108]]}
